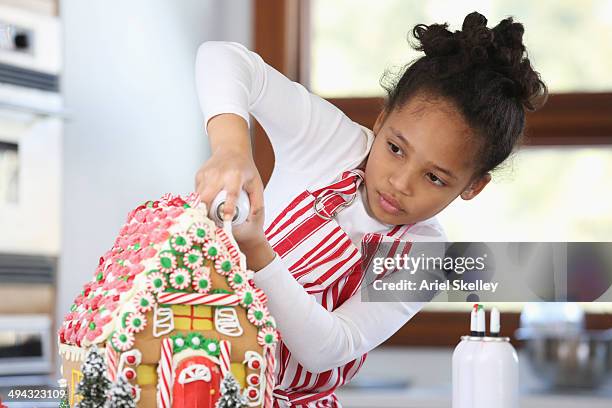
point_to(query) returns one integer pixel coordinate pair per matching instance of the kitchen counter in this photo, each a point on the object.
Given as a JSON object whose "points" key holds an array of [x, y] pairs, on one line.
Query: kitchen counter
{"points": [[421, 378], [440, 397]]}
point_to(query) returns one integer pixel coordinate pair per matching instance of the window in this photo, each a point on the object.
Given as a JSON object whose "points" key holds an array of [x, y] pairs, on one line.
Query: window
{"points": [[354, 41], [192, 317]]}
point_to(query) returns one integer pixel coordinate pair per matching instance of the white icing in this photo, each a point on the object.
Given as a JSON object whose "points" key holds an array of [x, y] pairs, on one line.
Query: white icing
{"points": [[227, 323], [72, 353]]}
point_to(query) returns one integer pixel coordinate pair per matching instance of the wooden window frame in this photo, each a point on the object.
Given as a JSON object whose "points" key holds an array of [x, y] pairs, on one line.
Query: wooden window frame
{"points": [[282, 35]]}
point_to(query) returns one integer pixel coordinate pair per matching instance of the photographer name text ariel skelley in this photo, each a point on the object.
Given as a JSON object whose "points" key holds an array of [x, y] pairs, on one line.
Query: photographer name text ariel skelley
{"points": [[478, 285]]}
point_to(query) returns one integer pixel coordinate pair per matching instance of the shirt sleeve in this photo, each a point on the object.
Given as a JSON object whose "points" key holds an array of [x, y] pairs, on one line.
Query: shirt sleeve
{"points": [[304, 129], [334, 338]]}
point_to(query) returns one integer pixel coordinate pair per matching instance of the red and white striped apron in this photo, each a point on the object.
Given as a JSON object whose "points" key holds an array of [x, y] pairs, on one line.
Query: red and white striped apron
{"points": [[324, 260]]}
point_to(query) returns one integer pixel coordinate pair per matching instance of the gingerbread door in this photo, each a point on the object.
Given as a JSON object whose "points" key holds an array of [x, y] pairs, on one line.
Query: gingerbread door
{"points": [[197, 382]]}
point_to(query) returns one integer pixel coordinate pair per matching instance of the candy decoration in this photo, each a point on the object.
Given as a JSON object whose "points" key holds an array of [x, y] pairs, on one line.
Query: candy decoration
{"points": [[166, 261], [112, 360], [260, 296], [223, 265], [237, 279], [247, 296], [225, 359], [193, 259], [129, 374], [199, 232], [144, 302], [270, 364], [257, 315], [164, 373], [253, 379], [270, 322], [122, 340], [225, 240], [267, 336], [135, 322], [253, 393], [180, 278], [215, 299], [180, 243], [210, 250], [201, 280], [156, 282]]}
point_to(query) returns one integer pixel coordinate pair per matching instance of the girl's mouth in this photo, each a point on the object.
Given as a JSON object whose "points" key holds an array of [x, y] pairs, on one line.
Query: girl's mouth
{"points": [[389, 204]]}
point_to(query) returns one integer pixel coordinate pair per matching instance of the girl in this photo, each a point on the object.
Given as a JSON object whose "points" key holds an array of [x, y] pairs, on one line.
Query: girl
{"points": [[451, 118]]}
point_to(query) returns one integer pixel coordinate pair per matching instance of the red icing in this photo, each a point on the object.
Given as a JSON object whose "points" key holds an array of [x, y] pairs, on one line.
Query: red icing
{"points": [[130, 359], [253, 393]]}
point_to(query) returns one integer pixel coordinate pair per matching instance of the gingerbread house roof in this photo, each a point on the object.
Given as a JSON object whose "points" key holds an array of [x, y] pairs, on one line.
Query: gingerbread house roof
{"points": [[159, 257]]}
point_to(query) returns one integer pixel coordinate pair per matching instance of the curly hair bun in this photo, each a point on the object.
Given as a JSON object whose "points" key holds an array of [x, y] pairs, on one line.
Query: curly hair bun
{"points": [[500, 50]]}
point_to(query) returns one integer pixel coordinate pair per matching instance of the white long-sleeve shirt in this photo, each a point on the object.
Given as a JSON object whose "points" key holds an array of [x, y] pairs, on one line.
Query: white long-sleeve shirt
{"points": [[313, 143]]}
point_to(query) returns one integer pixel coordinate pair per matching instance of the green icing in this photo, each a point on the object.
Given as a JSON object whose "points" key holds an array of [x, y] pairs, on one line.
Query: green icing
{"points": [[165, 261], [226, 266]]}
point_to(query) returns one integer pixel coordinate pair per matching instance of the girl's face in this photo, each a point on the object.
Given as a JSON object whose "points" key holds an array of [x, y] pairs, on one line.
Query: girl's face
{"points": [[421, 160]]}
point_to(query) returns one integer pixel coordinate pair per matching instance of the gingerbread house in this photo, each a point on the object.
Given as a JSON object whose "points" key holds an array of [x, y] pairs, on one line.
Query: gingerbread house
{"points": [[175, 310]]}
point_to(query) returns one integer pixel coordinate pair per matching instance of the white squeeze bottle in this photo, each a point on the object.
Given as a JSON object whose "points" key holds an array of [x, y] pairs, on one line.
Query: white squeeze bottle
{"points": [[462, 364], [243, 207], [496, 365], [485, 368]]}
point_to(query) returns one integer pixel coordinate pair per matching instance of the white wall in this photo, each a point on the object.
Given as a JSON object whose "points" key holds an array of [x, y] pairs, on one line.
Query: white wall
{"points": [[135, 130]]}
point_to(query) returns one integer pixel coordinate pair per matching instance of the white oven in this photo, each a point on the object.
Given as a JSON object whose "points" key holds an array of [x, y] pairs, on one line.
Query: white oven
{"points": [[30, 132]]}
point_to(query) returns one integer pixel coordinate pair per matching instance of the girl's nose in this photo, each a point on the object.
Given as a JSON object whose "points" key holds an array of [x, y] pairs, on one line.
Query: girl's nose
{"points": [[402, 182]]}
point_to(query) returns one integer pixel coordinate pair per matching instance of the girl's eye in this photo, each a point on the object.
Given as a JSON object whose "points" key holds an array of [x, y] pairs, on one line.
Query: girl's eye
{"points": [[394, 148], [434, 179]]}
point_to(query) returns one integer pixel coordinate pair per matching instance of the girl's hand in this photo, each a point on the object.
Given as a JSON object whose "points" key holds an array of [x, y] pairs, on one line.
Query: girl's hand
{"points": [[231, 170]]}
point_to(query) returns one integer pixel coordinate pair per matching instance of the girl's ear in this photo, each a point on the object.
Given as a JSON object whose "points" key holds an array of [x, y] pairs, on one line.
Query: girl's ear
{"points": [[476, 187]]}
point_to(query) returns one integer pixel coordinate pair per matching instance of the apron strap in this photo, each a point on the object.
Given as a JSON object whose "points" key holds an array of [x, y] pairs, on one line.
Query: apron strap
{"points": [[330, 199]]}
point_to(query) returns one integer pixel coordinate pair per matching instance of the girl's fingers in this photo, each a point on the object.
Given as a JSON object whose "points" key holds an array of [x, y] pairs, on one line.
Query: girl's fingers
{"points": [[232, 188], [208, 192], [255, 191]]}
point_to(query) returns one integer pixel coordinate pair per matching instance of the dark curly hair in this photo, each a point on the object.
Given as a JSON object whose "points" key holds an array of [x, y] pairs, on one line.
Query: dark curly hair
{"points": [[484, 72]]}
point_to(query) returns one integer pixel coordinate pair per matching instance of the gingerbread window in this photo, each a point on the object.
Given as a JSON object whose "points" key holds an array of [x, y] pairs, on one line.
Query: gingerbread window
{"points": [[192, 317]]}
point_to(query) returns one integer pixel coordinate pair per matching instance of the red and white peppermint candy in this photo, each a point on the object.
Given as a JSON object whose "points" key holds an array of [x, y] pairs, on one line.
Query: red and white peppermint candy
{"points": [[199, 232], [201, 280], [247, 296], [122, 340], [180, 278], [156, 282], [211, 250], [144, 301], [193, 259], [267, 336], [237, 279], [135, 322], [166, 262], [257, 314], [180, 242], [224, 265]]}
